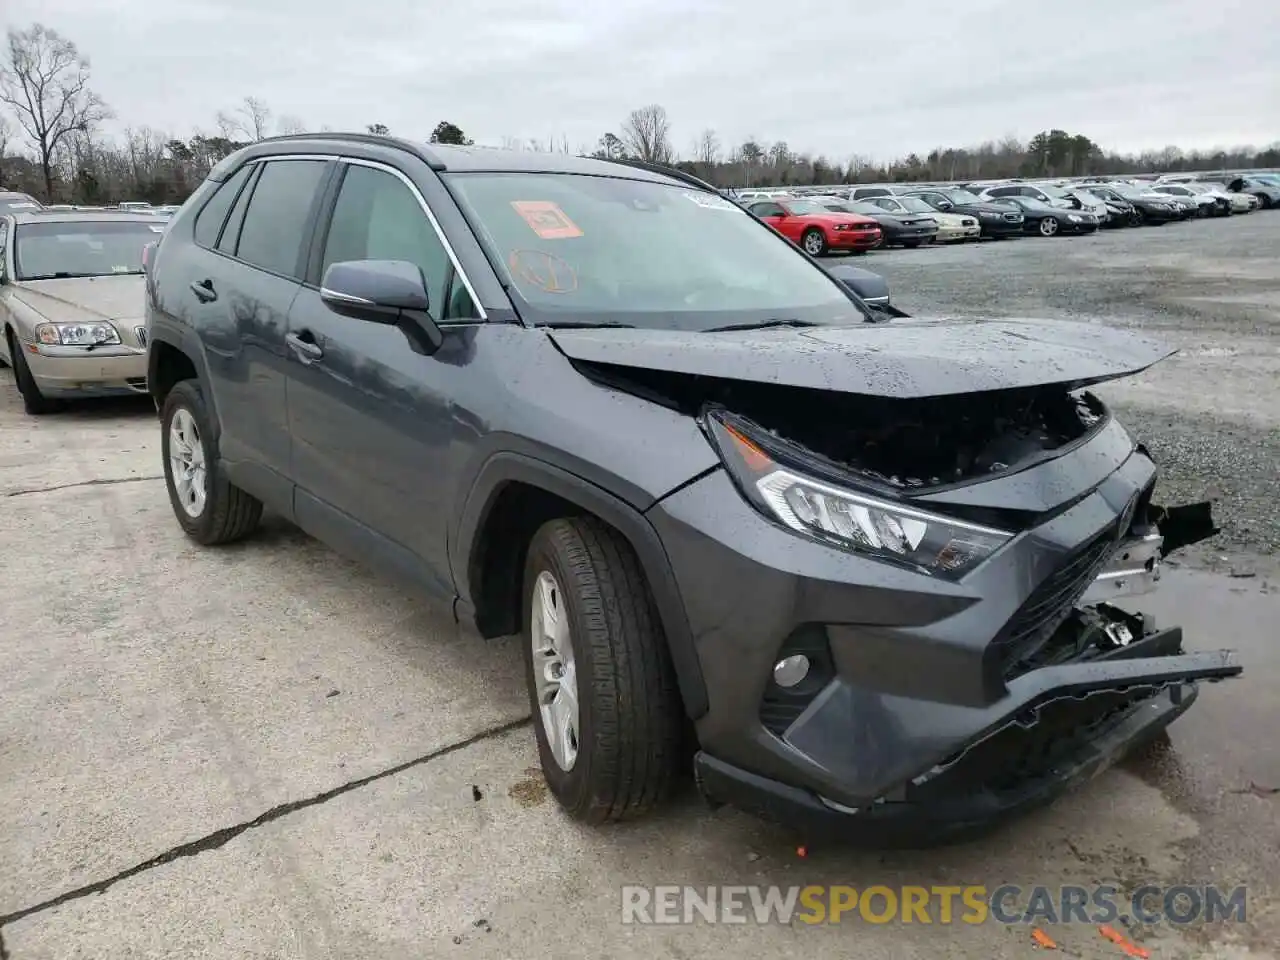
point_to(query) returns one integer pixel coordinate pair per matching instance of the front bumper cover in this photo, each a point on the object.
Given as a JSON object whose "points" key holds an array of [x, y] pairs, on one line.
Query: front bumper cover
{"points": [[928, 712]]}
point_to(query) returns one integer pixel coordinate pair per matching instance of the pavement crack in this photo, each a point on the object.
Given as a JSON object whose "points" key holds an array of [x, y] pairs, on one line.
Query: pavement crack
{"points": [[82, 483], [220, 838]]}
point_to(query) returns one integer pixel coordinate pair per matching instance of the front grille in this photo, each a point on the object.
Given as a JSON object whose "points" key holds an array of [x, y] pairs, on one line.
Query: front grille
{"points": [[865, 226], [1050, 604], [141, 334], [137, 384], [968, 222]]}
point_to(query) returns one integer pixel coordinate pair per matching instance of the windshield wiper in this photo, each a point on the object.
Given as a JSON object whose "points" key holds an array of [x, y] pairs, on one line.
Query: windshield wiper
{"points": [[761, 325], [559, 324], [66, 275]]}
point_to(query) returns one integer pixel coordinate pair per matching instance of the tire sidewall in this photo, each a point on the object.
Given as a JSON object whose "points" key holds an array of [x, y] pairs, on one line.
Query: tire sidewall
{"points": [[187, 396], [569, 786]]}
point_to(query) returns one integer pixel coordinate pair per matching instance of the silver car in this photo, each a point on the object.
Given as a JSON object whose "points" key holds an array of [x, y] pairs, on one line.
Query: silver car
{"points": [[71, 303]]}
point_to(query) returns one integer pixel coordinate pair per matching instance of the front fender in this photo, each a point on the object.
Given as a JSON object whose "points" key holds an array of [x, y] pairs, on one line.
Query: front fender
{"points": [[504, 468]]}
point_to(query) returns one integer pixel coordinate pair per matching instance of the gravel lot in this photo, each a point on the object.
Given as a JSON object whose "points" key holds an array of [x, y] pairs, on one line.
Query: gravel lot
{"points": [[266, 752], [1211, 414]]}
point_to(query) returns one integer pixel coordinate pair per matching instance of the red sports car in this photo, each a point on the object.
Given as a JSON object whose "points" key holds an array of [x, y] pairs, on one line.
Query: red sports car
{"points": [[817, 229]]}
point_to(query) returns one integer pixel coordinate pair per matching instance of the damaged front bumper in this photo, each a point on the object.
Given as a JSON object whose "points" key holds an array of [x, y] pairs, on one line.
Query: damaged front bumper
{"points": [[1061, 727], [933, 709]]}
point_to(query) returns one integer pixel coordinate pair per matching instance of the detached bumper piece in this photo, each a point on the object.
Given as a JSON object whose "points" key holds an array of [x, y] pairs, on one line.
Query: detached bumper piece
{"points": [[1060, 725]]}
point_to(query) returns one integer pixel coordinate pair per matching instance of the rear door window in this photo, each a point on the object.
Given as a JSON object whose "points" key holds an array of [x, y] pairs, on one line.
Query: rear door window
{"points": [[274, 232]]}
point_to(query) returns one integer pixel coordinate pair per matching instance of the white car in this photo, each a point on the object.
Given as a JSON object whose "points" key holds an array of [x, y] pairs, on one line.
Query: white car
{"points": [[1207, 204], [951, 226]]}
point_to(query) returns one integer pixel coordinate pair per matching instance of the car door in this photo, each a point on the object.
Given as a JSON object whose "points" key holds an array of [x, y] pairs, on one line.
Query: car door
{"points": [[772, 214], [5, 277], [371, 418], [242, 275]]}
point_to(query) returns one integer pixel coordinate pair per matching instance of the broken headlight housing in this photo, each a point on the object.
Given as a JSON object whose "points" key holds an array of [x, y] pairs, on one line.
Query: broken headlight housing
{"points": [[848, 519]]}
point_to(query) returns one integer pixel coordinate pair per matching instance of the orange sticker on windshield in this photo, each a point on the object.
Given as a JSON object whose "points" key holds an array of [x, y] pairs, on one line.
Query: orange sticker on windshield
{"points": [[546, 219]]}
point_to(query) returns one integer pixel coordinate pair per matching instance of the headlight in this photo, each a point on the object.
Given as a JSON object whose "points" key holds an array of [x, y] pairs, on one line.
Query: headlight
{"points": [[77, 334], [848, 519], [1073, 218]]}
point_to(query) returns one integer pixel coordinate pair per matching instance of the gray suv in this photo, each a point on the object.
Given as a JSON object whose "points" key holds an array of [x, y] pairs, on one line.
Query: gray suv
{"points": [[855, 572]]}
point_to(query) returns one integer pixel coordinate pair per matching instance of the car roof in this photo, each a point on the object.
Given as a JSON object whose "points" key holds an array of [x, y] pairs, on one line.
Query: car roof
{"points": [[463, 159], [79, 216]]}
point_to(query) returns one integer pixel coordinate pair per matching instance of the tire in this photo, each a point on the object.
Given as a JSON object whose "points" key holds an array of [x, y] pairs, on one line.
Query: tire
{"points": [[1264, 202], [33, 401], [227, 513], [814, 242], [629, 732], [1048, 227], [1138, 218]]}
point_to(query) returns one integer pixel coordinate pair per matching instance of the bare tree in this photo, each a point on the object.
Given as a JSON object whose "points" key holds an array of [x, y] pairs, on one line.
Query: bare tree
{"points": [[707, 149], [288, 125], [647, 134], [251, 119], [378, 128], [45, 81], [6, 133]]}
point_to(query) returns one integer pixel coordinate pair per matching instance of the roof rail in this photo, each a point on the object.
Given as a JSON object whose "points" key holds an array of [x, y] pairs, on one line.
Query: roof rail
{"points": [[379, 139], [666, 171]]}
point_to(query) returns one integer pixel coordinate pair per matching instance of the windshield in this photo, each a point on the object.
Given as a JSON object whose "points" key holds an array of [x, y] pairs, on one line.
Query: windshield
{"points": [[580, 249], [869, 209], [960, 196], [1049, 190], [1084, 196], [84, 248], [803, 207], [915, 205], [1129, 192]]}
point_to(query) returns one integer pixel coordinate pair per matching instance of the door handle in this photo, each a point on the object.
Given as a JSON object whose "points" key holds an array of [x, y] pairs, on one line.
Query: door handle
{"points": [[308, 351], [203, 289]]}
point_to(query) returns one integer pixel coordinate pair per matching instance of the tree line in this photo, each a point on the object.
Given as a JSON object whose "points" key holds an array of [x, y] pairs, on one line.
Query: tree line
{"points": [[53, 145]]}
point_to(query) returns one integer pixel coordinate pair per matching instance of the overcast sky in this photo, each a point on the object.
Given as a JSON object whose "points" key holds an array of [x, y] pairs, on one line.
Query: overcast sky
{"points": [[878, 78]]}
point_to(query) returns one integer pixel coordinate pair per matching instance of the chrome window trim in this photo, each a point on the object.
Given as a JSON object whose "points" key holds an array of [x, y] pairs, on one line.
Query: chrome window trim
{"points": [[435, 224]]}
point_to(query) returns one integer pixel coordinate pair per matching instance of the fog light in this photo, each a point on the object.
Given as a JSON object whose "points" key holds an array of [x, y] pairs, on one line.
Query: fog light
{"points": [[789, 671]]}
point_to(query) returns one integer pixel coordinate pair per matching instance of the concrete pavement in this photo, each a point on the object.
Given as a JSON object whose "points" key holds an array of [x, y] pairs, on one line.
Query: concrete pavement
{"points": [[265, 751]]}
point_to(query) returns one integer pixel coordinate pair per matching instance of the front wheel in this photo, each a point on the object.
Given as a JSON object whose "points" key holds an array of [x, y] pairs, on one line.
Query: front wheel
{"points": [[1048, 227], [33, 401], [814, 242], [607, 713], [210, 509]]}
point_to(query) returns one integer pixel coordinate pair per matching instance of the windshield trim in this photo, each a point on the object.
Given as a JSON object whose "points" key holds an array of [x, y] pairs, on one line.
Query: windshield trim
{"points": [[530, 315]]}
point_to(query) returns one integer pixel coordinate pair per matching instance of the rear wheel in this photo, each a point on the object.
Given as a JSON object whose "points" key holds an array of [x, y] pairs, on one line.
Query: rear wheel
{"points": [[210, 509], [607, 714], [814, 242], [1048, 226]]}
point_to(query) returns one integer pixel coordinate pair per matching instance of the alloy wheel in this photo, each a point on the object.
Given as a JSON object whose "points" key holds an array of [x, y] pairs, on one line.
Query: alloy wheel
{"points": [[187, 463], [1048, 227], [555, 674], [813, 243]]}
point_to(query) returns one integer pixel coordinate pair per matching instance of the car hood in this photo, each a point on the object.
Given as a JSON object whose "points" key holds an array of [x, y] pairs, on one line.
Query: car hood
{"points": [[985, 206], [908, 358], [85, 298], [839, 217]]}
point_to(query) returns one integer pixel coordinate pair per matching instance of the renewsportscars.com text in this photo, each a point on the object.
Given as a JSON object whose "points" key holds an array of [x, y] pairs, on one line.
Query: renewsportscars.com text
{"points": [[975, 904]]}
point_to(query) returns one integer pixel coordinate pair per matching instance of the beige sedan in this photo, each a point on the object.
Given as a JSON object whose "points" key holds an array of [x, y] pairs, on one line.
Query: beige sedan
{"points": [[71, 303]]}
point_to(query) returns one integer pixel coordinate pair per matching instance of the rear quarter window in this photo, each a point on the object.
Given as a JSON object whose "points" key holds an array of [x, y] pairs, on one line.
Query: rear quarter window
{"points": [[214, 213]]}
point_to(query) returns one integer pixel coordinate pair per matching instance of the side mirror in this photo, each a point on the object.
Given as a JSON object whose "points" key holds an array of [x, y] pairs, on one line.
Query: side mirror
{"points": [[945, 205], [391, 292]]}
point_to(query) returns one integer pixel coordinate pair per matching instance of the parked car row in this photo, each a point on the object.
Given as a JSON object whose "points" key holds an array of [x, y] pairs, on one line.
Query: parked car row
{"points": [[866, 217]]}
